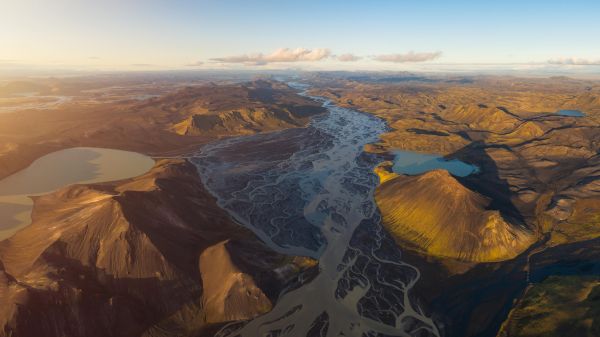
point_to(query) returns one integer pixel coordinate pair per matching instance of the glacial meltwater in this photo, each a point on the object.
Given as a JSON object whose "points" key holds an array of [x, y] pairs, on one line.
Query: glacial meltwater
{"points": [[407, 162], [309, 191], [71, 166]]}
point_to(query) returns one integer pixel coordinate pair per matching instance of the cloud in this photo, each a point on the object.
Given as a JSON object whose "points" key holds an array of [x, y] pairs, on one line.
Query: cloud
{"points": [[574, 61], [408, 57], [348, 58], [280, 55], [195, 64]]}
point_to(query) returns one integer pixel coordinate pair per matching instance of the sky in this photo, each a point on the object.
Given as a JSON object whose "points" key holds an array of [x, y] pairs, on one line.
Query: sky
{"points": [[308, 34]]}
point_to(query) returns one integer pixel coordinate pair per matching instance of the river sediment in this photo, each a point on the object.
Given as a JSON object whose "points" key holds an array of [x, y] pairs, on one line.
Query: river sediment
{"points": [[309, 191]]}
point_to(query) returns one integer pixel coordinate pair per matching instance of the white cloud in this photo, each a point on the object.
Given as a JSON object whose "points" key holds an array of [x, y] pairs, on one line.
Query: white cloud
{"points": [[280, 55], [408, 57], [574, 61], [348, 58]]}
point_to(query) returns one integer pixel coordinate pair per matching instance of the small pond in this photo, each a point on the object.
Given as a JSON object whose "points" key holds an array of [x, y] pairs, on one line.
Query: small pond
{"points": [[570, 113], [411, 163]]}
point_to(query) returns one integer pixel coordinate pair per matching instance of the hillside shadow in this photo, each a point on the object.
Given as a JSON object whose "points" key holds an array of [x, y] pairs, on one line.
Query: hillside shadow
{"points": [[488, 181], [92, 302]]}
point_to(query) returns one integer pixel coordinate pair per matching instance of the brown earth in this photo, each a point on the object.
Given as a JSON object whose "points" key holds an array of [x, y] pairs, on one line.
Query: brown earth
{"points": [[538, 174], [536, 167], [152, 256], [162, 126]]}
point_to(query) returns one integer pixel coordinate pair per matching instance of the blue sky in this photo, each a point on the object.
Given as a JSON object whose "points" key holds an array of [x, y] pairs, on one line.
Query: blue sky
{"points": [[215, 34]]}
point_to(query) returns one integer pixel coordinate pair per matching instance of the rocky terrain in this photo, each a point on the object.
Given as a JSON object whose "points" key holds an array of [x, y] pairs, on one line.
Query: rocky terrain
{"points": [[173, 123], [536, 166], [498, 251], [248, 109], [534, 192], [152, 256], [558, 306]]}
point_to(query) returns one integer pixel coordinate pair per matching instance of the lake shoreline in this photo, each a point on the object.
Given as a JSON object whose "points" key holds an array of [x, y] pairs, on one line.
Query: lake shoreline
{"points": [[57, 170]]}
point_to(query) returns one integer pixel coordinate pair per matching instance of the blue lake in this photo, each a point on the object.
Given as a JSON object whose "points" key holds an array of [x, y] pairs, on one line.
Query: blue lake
{"points": [[570, 113], [407, 162]]}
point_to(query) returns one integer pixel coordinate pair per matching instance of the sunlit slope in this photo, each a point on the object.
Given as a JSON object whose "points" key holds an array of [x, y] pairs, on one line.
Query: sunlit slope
{"points": [[239, 109], [437, 215]]}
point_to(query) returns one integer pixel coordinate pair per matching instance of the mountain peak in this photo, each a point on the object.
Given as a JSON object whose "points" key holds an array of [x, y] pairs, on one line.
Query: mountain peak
{"points": [[435, 213]]}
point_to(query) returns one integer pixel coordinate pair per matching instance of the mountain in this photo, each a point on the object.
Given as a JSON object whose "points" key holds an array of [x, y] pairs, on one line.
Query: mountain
{"points": [[172, 123], [241, 109], [153, 255], [436, 214], [240, 121]]}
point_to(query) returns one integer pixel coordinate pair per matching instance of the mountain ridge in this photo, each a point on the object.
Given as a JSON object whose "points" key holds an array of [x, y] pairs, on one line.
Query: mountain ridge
{"points": [[93, 254]]}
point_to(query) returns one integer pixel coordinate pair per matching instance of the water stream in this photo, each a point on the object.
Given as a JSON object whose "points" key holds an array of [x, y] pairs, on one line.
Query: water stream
{"points": [[309, 191]]}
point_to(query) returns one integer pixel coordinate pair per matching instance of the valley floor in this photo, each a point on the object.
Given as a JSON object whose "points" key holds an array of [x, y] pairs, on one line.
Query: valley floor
{"points": [[509, 249]]}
